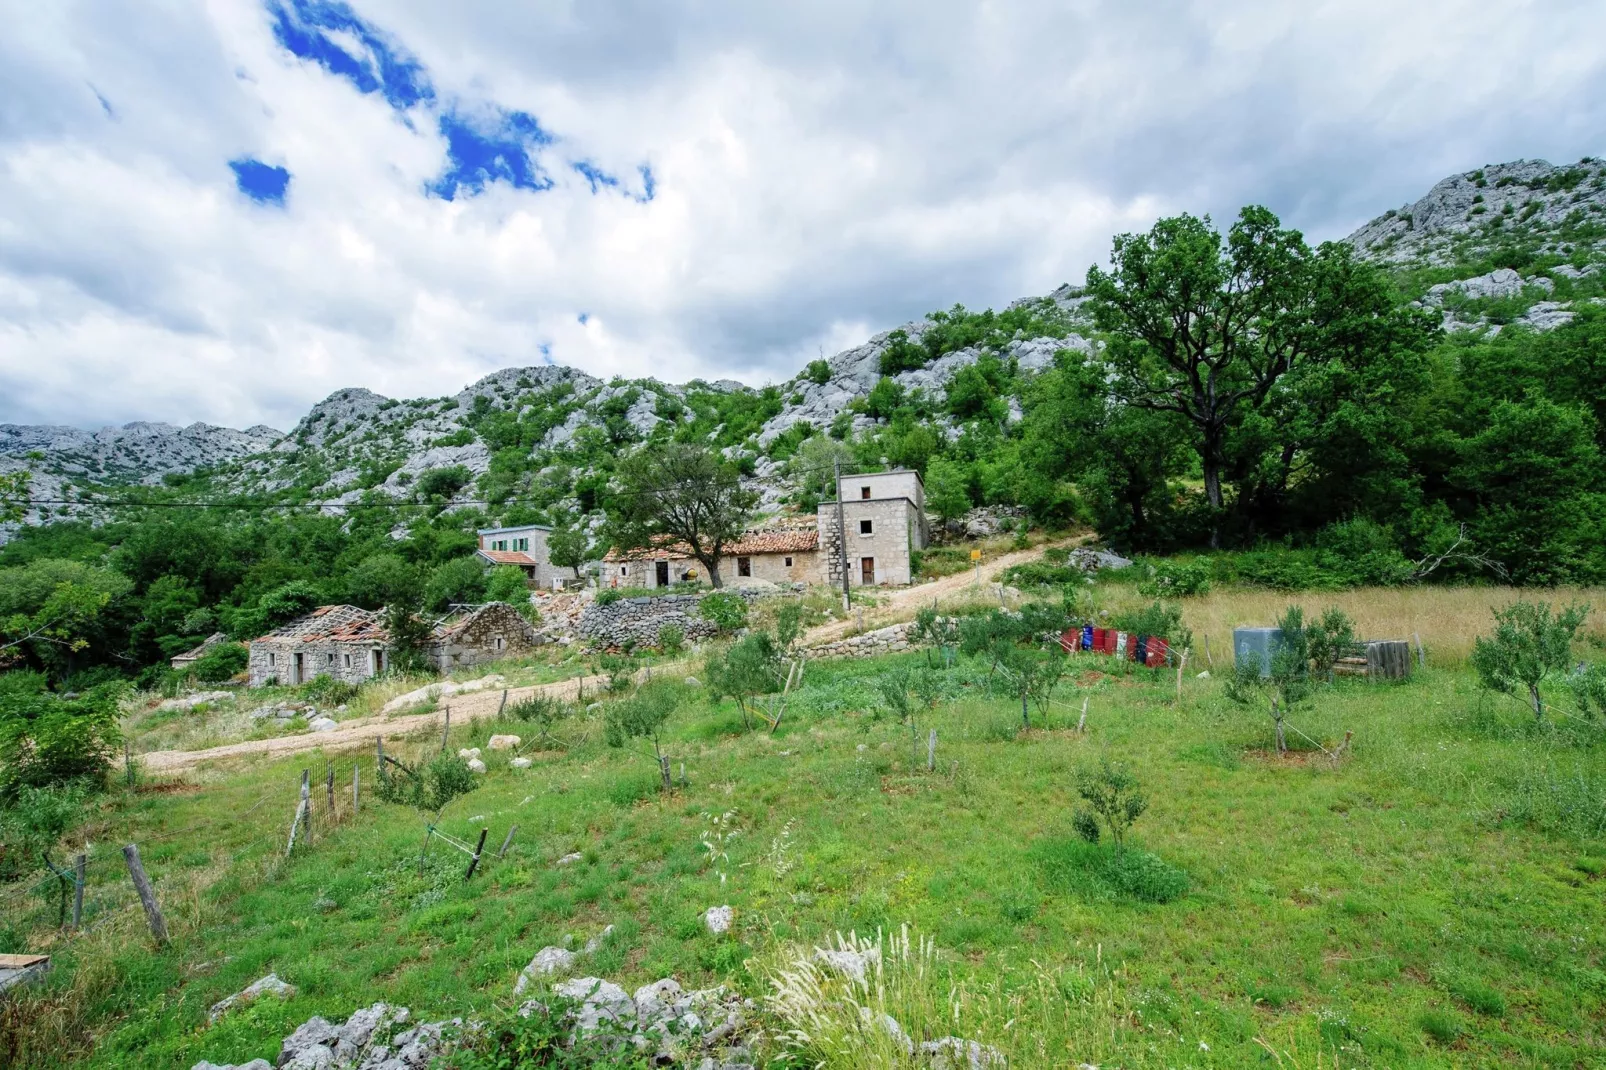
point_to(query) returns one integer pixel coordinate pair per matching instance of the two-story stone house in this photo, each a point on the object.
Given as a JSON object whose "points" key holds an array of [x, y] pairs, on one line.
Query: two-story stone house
{"points": [[873, 527], [524, 546]]}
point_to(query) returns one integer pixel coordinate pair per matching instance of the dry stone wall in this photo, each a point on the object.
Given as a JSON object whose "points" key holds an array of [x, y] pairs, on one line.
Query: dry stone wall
{"points": [[636, 621]]}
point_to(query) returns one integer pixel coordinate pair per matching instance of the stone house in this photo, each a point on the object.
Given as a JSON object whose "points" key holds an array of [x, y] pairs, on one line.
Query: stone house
{"points": [[188, 659], [526, 547], [352, 644], [786, 555], [882, 516]]}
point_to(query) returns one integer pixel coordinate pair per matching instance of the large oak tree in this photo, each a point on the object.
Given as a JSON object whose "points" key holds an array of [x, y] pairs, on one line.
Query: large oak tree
{"points": [[682, 492]]}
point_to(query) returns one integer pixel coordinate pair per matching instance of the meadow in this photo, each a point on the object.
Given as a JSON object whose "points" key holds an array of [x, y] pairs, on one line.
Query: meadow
{"points": [[1429, 896]]}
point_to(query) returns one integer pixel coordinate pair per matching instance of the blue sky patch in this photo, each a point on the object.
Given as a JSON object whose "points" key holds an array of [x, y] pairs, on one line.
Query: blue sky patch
{"points": [[649, 184], [479, 153], [261, 182], [331, 35], [595, 175]]}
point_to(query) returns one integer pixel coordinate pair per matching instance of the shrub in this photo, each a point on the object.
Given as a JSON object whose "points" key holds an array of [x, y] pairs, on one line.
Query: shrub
{"points": [[1146, 877], [221, 663], [428, 787], [671, 639], [901, 355], [1529, 646], [326, 690], [1157, 618], [1040, 574], [609, 595], [443, 482], [1330, 638], [48, 740], [1115, 796], [818, 372], [1086, 826], [727, 611], [1100, 872], [1175, 578]]}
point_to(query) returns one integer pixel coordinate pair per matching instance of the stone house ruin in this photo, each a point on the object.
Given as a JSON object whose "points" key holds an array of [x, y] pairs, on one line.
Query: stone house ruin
{"points": [[351, 644], [524, 546], [779, 556], [882, 518], [188, 659]]}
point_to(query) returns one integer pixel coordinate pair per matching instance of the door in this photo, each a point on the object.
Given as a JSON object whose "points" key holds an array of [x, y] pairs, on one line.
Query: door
{"points": [[379, 662], [299, 672], [867, 571], [663, 574]]}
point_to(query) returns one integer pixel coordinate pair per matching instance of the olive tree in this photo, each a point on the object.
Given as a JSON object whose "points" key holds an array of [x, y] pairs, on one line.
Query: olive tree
{"points": [[1529, 646]]}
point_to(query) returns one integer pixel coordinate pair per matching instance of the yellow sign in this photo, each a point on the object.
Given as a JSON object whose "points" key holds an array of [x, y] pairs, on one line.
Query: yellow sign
{"points": [[975, 555]]}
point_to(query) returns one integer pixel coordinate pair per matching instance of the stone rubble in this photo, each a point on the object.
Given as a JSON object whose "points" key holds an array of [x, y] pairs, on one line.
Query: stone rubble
{"points": [[423, 695], [270, 985], [718, 919], [189, 702]]}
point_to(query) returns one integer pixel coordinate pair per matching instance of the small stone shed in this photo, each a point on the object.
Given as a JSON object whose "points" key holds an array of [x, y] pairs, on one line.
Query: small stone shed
{"points": [[785, 555], [352, 644], [188, 659]]}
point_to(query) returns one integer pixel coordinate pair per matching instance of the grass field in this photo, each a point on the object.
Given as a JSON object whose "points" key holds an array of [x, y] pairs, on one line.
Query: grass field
{"points": [[1433, 898]]}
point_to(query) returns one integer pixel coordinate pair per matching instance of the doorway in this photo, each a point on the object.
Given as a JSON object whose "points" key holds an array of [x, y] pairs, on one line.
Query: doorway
{"points": [[867, 571], [298, 673], [379, 662], [663, 574]]}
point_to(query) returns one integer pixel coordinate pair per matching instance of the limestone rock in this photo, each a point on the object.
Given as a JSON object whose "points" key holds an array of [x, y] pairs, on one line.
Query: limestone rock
{"points": [[504, 742], [718, 919], [254, 1064], [468, 752], [270, 985], [602, 1004], [189, 702], [322, 724], [547, 962], [520, 763], [594, 944], [849, 963], [953, 1053], [571, 859], [476, 766]]}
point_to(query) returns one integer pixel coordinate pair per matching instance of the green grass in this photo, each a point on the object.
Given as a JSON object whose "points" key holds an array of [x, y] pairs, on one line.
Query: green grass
{"points": [[1436, 899]]}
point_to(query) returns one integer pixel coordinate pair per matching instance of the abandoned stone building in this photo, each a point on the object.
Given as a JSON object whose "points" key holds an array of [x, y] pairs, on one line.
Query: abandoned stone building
{"points": [[351, 644], [187, 660], [785, 555], [526, 547], [882, 518]]}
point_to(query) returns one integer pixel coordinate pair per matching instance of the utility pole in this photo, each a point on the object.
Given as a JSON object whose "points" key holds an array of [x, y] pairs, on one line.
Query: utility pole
{"points": [[842, 536]]}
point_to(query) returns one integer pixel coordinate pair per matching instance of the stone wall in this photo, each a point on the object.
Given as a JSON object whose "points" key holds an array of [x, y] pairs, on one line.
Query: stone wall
{"points": [[895, 528], [276, 660], [889, 640], [635, 621]]}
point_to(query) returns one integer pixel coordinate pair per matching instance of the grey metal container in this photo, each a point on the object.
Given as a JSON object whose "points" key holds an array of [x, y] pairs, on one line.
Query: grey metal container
{"points": [[1256, 646]]}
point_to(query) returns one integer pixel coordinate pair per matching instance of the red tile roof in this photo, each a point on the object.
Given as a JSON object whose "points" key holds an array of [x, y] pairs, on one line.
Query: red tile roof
{"points": [[334, 624], [792, 541], [508, 557]]}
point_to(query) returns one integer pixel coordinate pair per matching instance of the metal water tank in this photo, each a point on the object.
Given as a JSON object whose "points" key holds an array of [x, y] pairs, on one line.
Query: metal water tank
{"points": [[1256, 646]]}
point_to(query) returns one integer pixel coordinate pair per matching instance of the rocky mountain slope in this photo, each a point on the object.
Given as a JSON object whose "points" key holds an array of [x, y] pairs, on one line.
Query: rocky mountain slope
{"points": [[1516, 243]]}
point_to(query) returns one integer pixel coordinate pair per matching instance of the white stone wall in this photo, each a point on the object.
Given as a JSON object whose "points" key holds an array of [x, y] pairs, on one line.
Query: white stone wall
{"points": [[895, 531], [277, 660], [772, 567]]}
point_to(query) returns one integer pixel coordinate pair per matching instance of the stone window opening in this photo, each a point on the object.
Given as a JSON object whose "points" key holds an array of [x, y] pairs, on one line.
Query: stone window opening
{"points": [[867, 527], [499, 642], [346, 662], [744, 566], [788, 562], [328, 659], [270, 659], [864, 492]]}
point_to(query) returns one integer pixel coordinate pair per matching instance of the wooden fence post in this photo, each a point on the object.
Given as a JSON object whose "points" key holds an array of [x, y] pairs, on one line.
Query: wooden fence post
{"points": [[147, 896], [507, 842], [1182, 663], [446, 730], [931, 752], [306, 800], [474, 862], [128, 765], [1421, 656], [329, 789], [1209, 661], [79, 866], [379, 759], [355, 770], [503, 704]]}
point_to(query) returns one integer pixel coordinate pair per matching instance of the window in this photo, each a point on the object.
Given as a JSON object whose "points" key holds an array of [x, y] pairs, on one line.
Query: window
{"points": [[624, 570], [522, 544], [499, 642], [345, 661], [328, 659], [788, 562], [744, 566], [500, 544], [270, 660], [867, 527], [864, 492]]}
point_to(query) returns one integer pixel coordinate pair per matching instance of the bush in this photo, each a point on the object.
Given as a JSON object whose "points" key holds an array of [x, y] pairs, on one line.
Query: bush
{"points": [[1086, 826], [443, 482], [1040, 574], [48, 740], [327, 691], [221, 663], [818, 372], [671, 639], [1175, 578], [1099, 872], [609, 595], [727, 611], [1158, 618]]}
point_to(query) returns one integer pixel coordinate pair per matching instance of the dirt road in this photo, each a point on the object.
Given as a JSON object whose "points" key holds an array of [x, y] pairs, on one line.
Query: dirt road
{"points": [[901, 605], [362, 732]]}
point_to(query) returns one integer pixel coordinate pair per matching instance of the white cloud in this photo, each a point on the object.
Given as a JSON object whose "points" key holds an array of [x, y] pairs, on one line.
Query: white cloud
{"points": [[824, 171]]}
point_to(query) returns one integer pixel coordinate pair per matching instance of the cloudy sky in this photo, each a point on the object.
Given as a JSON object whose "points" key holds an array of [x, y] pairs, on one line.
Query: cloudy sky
{"points": [[223, 210]]}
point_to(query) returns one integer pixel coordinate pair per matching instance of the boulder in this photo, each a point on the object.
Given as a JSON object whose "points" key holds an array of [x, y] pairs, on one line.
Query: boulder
{"points": [[954, 1053], [189, 702], [594, 944], [570, 859], [848, 962], [254, 1064], [264, 986], [602, 1004], [520, 763], [718, 919], [469, 752], [322, 724], [504, 742], [476, 766], [547, 962]]}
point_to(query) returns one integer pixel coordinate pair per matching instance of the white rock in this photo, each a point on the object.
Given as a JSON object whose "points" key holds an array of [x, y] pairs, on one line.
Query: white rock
{"points": [[189, 702], [469, 752], [265, 986], [601, 1002], [594, 944], [890, 1026], [520, 763], [849, 963], [953, 1053], [718, 919], [322, 724], [547, 962], [692, 681], [504, 742], [476, 766], [571, 859], [655, 1003]]}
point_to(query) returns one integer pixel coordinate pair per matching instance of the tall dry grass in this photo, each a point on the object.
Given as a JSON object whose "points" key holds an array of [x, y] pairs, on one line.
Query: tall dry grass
{"points": [[1447, 618]]}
